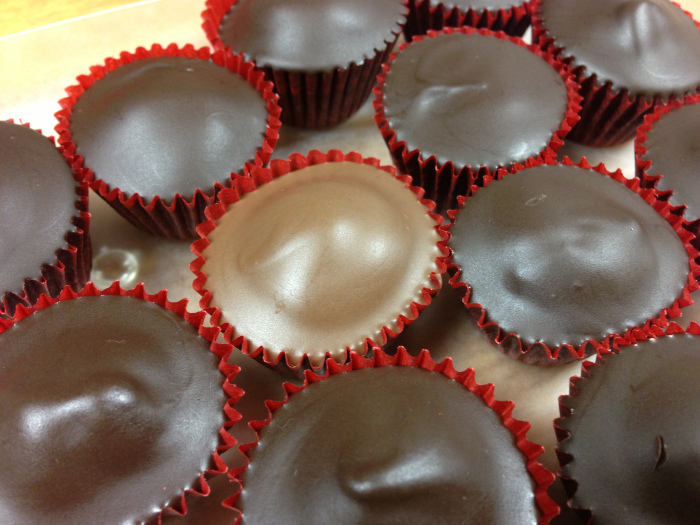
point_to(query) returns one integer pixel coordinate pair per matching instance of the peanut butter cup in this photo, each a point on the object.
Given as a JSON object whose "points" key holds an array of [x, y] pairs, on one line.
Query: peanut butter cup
{"points": [[629, 56], [322, 55], [558, 257], [393, 444], [449, 121], [159, 132], [629, 434], [667, 151], [112, 409], [43, 211], [318, 256]]}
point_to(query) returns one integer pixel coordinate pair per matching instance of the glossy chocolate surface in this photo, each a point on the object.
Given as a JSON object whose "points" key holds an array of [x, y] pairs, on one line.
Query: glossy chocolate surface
{"points": [[321, 259], [311, 35], [387, 445], [109, 408], [646, 46], [501, 106], [560, 254], [673, 147], [162, 126], [37, 203], [634, 440]]}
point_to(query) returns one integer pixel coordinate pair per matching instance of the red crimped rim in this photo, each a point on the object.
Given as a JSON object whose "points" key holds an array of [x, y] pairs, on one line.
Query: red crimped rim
{"points": [[566, 352], [640, 148], [575, 382], [234, 63], [482, 18], [209, 333], [542, 477], [80, 227], [541, 38], [571, 116], [216, 10], [486, 17], [242, 185]]}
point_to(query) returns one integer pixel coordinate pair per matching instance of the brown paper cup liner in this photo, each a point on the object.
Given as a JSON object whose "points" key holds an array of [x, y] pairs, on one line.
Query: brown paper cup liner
{"points": [[541, 477], [199, 486], [575, 384], [259, 176], [444, 183], [609, 115], [539, 353], [422, 17], [312, 99], [71, 268], [174, 217]]}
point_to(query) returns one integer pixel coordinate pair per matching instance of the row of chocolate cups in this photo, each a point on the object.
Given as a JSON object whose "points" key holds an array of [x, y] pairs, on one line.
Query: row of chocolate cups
{"points": [[152, 64], [120, 104], [627, 444], [184, 211], [389, 436], [391, 93], [618, 50], [142, 433]]}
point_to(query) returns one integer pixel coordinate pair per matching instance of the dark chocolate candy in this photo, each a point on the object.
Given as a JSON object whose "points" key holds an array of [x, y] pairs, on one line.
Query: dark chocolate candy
{"points": [[387, 445], [162, 126], [311, 35], [561, 254], [110, 407], [673, 147], [474, 100], [37, 202], [634, 435], [649, 47]]}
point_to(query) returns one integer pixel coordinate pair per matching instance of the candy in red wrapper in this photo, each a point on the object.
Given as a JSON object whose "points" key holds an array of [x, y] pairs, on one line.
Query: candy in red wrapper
{"points": [[449, 122], [323, 55], [157, 133], [44, 212], [555, 259], [392, 439], [116, 408], [629, 58], [509, 16], [317, 256], [667, 157], [628, 443]]}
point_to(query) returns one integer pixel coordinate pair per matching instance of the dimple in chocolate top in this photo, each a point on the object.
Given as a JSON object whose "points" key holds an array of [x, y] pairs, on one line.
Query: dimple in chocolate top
{"points": [[649, 47], [673, 147], [634, 435], [162, 126], [561, 254], [500, 106], [37, 203], [320, 259], [311, 35], [387, 445], [109, 408]]}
